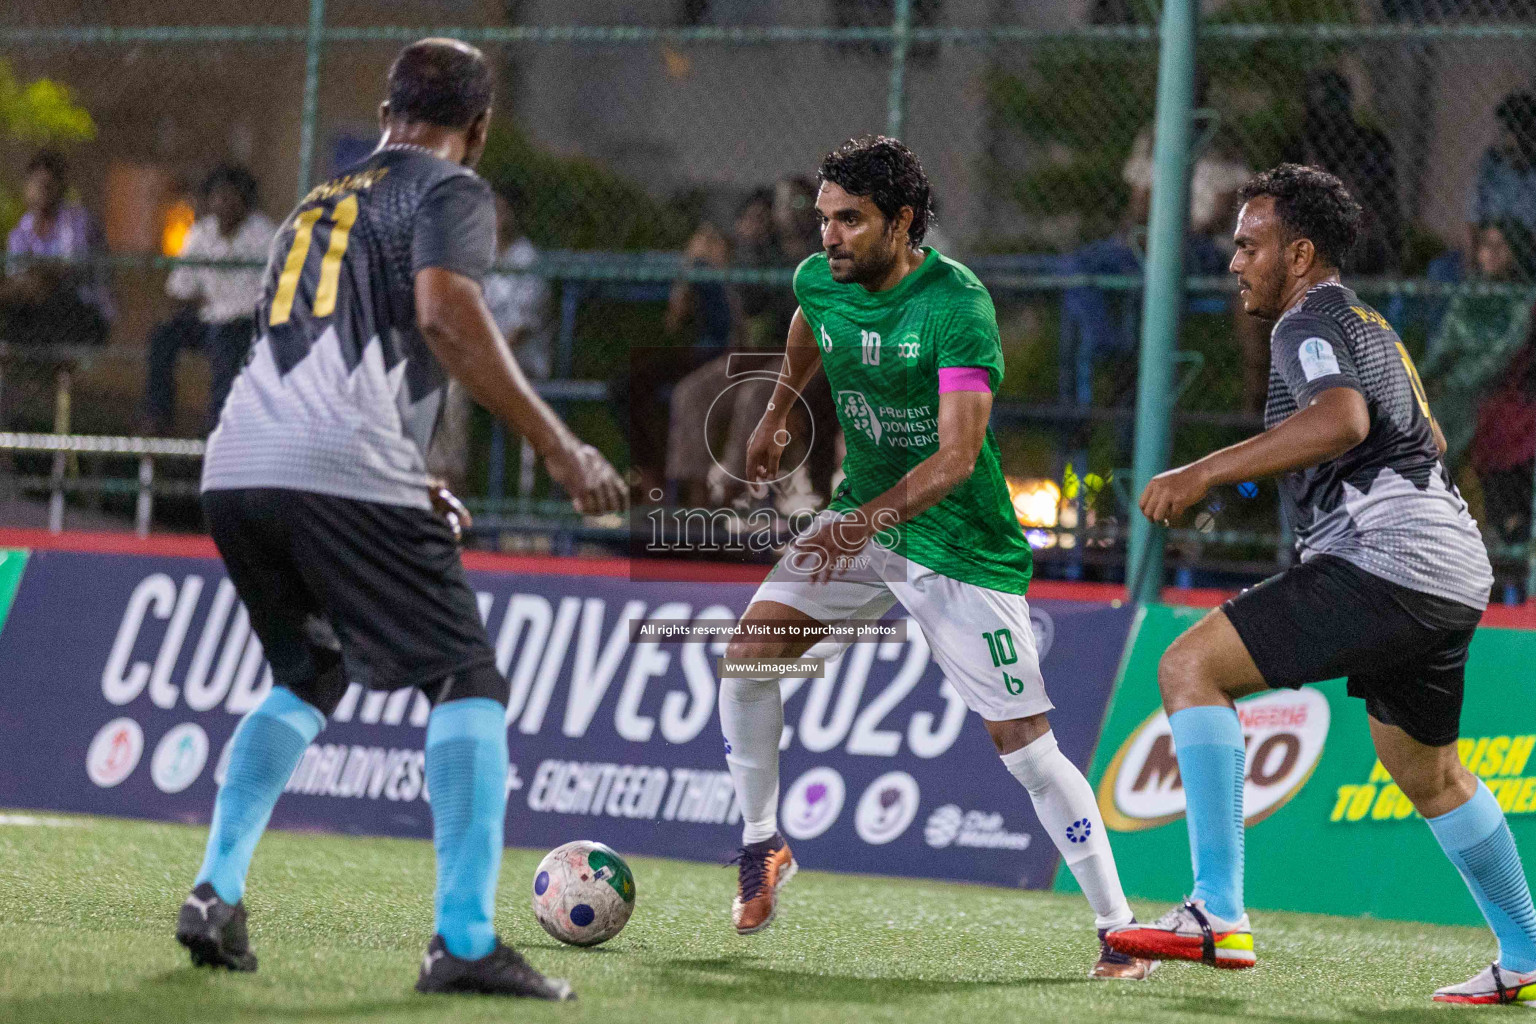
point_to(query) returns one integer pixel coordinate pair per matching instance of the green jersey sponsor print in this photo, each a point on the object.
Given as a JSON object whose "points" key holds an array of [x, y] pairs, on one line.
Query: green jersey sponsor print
{"points": [[882, 352]]}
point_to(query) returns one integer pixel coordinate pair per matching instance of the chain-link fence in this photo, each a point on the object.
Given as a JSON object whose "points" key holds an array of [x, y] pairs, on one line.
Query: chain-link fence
{"points": [[640, 146]]}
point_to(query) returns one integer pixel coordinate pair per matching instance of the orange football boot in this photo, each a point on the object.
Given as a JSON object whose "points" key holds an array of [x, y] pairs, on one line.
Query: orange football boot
{"points": [[1117, 966], [764, 869]]}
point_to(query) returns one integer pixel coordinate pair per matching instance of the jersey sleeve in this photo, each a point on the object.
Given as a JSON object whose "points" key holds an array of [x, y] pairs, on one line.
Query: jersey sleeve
{"points": [[803, 286], [1311, 355], [455, 228], [969, 337]]}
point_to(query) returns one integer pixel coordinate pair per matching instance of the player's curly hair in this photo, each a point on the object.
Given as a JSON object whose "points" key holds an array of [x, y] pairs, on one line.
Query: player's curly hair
{"points": [[888, 173], [1311, 204]]}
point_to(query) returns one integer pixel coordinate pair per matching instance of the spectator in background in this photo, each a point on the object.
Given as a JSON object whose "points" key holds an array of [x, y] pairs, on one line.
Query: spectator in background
{"points": [[55, 290], [715, 407], [1503, 450], [217, 304], [1097, 322], [706, 442], [645, 387], [1362, 157], [519, 302], [1505, 191], [798, 229], [1503, 447], [795, 223], [1218, 173], [1506, 175], [765, 308], [1480, 335]]}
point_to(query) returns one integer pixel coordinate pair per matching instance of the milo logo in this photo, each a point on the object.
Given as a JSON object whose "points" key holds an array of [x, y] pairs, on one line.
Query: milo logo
{"points": [[855, 411], [1283, 732]]}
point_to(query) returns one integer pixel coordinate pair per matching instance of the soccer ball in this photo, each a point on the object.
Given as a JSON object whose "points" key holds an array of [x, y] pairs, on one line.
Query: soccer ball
{"points": [[583, 893]]}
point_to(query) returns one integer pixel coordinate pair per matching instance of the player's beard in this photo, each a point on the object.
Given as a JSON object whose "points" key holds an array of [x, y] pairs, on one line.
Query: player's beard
{"points": [[872, 269], [1264, 297]]}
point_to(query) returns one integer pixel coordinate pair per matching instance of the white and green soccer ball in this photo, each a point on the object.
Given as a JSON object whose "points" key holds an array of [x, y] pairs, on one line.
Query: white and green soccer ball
{"points": [[583, 893]]}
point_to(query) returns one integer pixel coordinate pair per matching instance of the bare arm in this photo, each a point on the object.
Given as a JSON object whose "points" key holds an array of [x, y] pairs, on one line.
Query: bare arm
{"points": [[679, 307], [963, 419], [452, 315], [1333, 423], [457, 326], [802, 359], [706, 248], [1141, 204]]}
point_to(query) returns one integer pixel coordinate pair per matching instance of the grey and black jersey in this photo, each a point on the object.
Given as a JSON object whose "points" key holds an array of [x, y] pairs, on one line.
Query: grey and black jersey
{"points": [[341, 394], [1387, 505]]}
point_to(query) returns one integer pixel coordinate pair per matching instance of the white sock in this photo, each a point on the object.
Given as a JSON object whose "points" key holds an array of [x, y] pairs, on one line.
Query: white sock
{"points": [[752, 718], [1066, 807]]}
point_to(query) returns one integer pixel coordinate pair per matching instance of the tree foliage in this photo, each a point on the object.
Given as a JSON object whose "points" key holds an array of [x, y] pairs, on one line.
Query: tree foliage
{"points": [[1067, 117], [573, 202]]}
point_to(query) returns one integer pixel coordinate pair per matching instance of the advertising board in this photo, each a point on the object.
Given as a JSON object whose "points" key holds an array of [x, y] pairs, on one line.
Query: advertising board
{"points": [[125, 675], [1328, 831]]}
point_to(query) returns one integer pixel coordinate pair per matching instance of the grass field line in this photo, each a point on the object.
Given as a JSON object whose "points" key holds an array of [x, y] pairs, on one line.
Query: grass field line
{"points": [[46, 821]]}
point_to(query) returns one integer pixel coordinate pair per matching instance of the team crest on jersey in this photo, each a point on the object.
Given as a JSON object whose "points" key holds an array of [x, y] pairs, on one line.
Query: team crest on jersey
{"points": [[856, 411], [1317, 359]]}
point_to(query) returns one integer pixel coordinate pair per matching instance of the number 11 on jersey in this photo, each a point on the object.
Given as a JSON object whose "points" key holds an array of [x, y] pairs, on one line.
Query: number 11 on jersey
{"points": [[343, 216]]}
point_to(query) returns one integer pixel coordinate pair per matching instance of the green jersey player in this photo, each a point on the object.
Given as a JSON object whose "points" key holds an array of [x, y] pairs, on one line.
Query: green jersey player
{"points": [[886, 382], [909, 342]]}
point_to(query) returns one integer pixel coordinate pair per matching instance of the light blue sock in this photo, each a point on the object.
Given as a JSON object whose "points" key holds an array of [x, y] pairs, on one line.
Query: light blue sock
{"points": [[266, 748], [1477, 839], [1209, 745], [467, 777]]}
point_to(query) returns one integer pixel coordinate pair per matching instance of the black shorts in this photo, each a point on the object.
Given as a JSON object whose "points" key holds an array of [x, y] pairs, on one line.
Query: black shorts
{"points": [[1404, 652], [381, 584]]}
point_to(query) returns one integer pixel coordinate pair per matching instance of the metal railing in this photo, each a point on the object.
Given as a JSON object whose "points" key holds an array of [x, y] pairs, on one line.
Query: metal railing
{"points": [[145, 449]]}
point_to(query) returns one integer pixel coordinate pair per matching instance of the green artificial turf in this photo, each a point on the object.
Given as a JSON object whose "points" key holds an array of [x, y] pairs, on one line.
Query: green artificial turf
{"points": [[87, 907]]}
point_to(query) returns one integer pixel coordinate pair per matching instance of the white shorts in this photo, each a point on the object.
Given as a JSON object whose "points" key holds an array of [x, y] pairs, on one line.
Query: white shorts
{"points": [[981, 638]]}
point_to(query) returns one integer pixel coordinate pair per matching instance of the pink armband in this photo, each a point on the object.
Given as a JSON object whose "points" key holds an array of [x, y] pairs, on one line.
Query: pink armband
{"points": [[963, 378]]}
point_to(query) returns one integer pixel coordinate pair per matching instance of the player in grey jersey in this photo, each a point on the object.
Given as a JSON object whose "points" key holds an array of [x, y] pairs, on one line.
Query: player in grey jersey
{"points": [[1392, 581], [1388, 504], [317, 495]]}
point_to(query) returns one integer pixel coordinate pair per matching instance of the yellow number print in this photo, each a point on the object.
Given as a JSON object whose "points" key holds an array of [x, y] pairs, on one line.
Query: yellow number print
{"points": [[293, 266], [1413, 379], [343, 216], [1370, 316], [330, 268]]}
